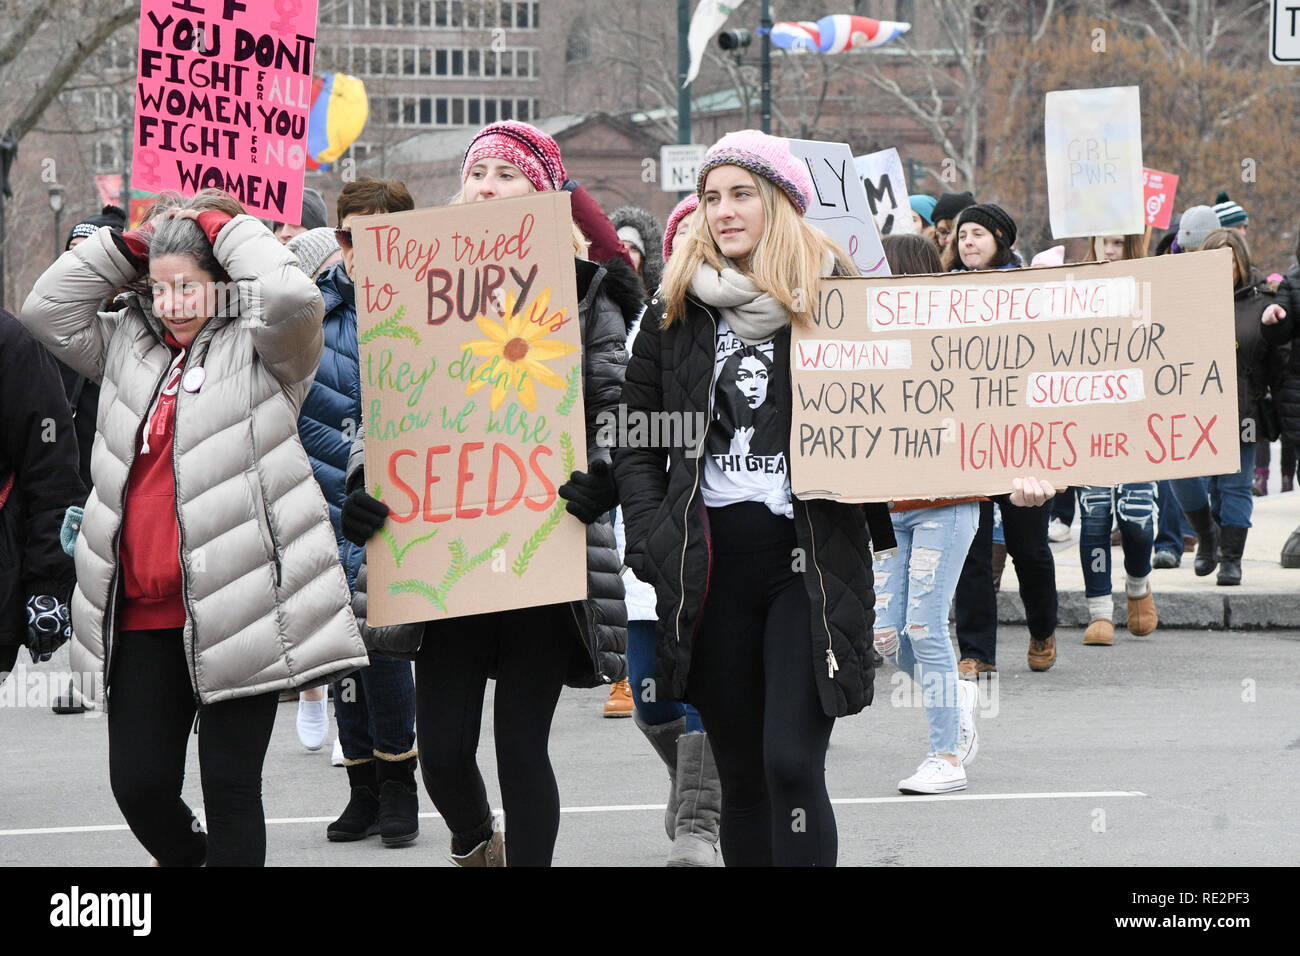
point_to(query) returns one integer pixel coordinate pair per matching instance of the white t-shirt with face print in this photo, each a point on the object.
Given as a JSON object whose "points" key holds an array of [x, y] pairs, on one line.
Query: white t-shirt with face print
{"points": [[745, 451]]}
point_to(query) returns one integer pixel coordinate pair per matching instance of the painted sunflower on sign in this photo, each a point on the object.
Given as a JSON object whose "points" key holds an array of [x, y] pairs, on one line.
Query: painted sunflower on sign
{"points": [[516, 349]]}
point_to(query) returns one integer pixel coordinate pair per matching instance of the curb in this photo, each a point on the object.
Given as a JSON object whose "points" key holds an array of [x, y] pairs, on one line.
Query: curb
{"points": [[1177, 609]]}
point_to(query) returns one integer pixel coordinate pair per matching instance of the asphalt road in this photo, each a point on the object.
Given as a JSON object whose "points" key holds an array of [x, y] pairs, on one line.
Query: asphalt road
{"points": [[1182, 748]]}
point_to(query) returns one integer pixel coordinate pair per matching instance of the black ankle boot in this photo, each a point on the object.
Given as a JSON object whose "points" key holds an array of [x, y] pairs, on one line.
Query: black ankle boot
{"points": [[1207, 540], [399, 801], [1232, 541], [360, 817]]}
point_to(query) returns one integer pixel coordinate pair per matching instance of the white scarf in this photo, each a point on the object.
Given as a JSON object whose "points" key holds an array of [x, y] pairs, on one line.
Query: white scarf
{"points": [[753, 314]]}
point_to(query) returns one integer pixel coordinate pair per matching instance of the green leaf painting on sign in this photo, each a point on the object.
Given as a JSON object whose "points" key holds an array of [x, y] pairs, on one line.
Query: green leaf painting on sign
{"points": [[565, 406], [535, 541], [391, 328], [461, 564]]}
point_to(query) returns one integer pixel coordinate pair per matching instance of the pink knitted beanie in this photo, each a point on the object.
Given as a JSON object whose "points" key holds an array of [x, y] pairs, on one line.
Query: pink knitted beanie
{"points": [[763, 155]]}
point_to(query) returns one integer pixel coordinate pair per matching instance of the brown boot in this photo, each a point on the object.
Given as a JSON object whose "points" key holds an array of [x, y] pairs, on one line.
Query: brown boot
{"points": [[968, 668], [1100, 633], [619, 703], [1142, 618], [1042, 654]]}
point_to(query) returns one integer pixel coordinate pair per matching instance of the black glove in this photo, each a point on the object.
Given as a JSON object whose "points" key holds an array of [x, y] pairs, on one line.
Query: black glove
{"points": [[48, 626], [590, 494], [363, 516]]}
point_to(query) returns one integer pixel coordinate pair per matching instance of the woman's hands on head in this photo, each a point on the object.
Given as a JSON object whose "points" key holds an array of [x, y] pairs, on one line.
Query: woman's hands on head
{"points": [[1030, 492]]}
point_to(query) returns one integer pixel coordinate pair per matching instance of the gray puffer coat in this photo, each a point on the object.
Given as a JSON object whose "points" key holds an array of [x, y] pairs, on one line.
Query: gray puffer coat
{"points": [[266, 603]]}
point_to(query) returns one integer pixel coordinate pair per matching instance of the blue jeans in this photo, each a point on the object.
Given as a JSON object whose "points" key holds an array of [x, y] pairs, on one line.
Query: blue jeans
{"points": [[932, 547], [1228, 496], [375, 710], [641, 640], [1172, 524], [1134, 507]]}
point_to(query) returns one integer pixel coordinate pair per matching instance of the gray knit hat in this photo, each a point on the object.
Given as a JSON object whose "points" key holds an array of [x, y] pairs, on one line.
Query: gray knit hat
{"points": [[313, 247], [1195, 224], [314, 214]]}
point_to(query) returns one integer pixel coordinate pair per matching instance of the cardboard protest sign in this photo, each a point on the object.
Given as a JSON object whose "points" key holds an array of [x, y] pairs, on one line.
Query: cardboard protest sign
{"points": [[886, 187], [1159, 189], [223, 90], [839, 203], [1094, 162], [945, 385], [471, 388]]}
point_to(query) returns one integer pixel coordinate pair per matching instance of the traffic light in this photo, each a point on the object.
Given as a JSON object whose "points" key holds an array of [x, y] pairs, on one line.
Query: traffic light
{"points": [[734, 39]]}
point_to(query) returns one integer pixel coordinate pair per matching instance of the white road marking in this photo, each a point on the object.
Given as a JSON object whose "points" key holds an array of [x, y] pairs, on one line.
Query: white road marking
{"points": [[633, 807]]}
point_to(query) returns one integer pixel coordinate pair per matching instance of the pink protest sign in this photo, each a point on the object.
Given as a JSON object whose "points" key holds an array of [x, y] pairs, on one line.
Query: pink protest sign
{"points": [[1158, 198], [223, 90]]}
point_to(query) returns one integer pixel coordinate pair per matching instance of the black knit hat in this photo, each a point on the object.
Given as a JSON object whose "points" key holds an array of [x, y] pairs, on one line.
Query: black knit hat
{"points": [[991, 217], [108, 216], [949, 204]]}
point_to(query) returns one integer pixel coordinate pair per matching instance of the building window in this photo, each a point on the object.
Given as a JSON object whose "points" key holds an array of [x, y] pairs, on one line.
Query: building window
{"points": [[426, 111], [490, 111], [426, 61], [408, 61], [440, 111], [458, 111], [578, 47], [533, 7], [408, 111], [523, 112], [475, 111], [457, 62], [507, 110], [376, 11], [440, 13], [507, 63], [440, 63], [474, 66], [392, 61], [377, 61], [394, 110]]}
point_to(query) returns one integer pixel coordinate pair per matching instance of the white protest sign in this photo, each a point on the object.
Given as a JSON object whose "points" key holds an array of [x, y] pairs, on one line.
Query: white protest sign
{"points": [[886, 187], [839, 204], [679, 166], [1094, 162]]}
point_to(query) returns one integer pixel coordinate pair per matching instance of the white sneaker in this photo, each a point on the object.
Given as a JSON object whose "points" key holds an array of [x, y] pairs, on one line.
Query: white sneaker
{"points": [[336, 755], [968, 738], [935, 775], [313, 721], [1058, 530]]}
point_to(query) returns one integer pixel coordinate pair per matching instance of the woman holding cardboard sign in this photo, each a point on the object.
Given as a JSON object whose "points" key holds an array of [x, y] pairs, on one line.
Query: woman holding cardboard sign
{"points": [[532, 652], [766, 601]]}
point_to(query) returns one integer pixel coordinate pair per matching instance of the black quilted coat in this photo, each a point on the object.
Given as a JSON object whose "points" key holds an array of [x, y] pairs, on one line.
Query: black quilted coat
{"points": [[668, 541], [1287, 396], [608, 302], [38, 447]]}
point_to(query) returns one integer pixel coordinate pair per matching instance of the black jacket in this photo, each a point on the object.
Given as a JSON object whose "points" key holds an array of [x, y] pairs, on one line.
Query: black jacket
{"points": [[608, 301], [1261, 366], [39, 448], [1286, 395], [668, 545]]}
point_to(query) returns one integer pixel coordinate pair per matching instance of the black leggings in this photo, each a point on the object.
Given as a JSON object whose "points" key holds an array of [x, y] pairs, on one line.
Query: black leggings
{"points": [[528, 652], [151, 711], [751, 679]]}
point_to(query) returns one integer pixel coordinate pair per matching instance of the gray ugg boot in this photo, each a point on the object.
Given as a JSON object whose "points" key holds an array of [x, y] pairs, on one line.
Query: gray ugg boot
{"points": [[700, 794], [663, 738]]}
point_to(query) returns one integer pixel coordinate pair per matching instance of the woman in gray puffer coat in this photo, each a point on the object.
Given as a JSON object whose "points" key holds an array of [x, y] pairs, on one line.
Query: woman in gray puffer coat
{"points": [[208, 577]]}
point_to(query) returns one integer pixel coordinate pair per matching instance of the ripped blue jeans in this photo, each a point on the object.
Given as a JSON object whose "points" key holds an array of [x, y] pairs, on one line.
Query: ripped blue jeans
{"points": [[1134, 508], [912, 605]]}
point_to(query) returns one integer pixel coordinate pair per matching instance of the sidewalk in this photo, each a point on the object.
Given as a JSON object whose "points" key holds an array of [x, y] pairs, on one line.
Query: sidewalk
{"points": [[1268, 596]]}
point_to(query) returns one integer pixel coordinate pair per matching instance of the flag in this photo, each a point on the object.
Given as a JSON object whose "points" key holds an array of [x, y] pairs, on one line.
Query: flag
{"points": [[707, 20], [844, 32], [339, 109], [796, 36]]}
